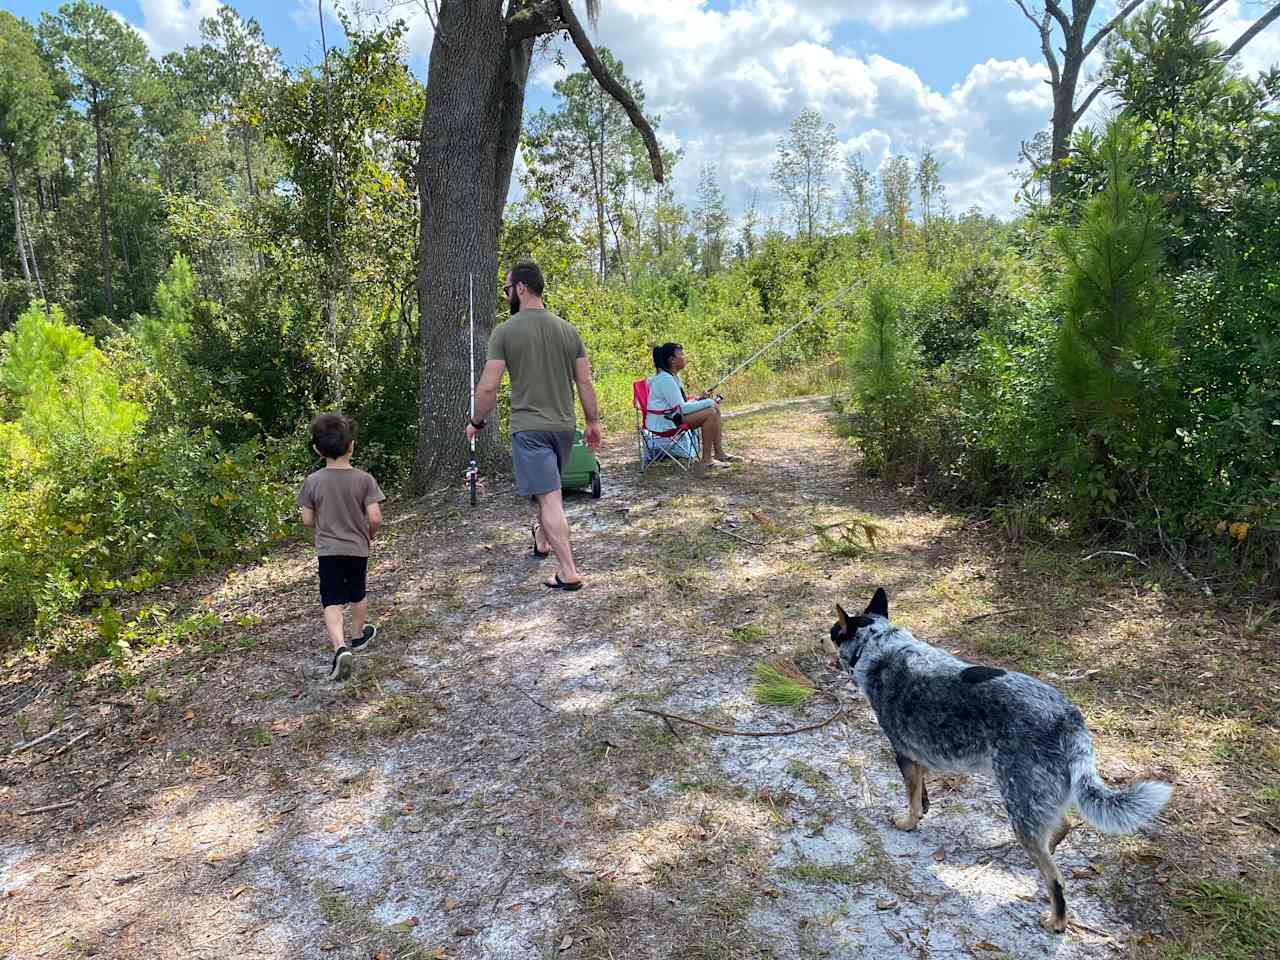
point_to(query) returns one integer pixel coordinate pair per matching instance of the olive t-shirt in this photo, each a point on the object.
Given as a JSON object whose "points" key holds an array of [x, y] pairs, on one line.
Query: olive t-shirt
{"points": [[540, 351], [339, 497]]}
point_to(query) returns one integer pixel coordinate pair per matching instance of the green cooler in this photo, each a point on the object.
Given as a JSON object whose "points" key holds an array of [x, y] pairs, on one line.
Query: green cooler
{"points": [[582, 470]]}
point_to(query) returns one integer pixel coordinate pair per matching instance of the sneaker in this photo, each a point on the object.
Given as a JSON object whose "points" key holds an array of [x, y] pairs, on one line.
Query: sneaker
{"points": [[341, 668], [362, 642]]}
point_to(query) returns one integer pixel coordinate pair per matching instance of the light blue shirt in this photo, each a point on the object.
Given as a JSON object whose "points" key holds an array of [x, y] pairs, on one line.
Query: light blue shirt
{"points": [[664, 393]]}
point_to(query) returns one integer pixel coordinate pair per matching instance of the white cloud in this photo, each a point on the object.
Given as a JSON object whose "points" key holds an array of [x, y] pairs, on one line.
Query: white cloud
{"points": [[727, 86], [169, 25], [1263, 51], [892, 14]]}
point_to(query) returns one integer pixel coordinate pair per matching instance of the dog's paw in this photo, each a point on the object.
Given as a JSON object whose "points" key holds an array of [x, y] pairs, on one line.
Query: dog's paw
{"points": [[1053, 926], [907, 823]]}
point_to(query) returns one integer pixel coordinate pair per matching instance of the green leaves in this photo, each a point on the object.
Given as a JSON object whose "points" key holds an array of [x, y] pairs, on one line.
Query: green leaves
{"points": [[1115, 343], [26, 93], [60, 389]]}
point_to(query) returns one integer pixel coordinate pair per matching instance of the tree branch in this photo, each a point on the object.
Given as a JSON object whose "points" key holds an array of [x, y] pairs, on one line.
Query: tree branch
{"points": [[614, 89], [1027, 13], [1079, 112], [529, 20], [519, 57], [1258, 26], [1046, 46], [1111, 24], [1052, 9]]}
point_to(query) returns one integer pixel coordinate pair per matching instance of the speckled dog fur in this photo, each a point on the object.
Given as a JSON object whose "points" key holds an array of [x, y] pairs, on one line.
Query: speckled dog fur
{"points": [[945, 715]]}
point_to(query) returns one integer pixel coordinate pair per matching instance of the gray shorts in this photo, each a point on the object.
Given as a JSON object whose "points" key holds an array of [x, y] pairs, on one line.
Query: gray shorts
{"points": [[538, 457]]}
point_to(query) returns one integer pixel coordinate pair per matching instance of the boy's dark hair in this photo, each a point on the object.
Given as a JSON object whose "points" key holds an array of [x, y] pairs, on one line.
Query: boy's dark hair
{"points": [[332, 434], [662, 356], [528, 273]]}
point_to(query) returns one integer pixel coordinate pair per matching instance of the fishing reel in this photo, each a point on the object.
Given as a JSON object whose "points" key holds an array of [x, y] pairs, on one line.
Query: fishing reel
{"points": [[472, 481]]}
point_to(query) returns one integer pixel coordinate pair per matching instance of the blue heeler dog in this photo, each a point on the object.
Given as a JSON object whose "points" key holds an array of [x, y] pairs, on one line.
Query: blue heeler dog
{"points": [[943, 714]]}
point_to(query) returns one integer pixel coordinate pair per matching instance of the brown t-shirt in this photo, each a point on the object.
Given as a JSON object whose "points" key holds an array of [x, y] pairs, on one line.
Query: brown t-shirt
{"points": [[540, 351], [339, 497]]}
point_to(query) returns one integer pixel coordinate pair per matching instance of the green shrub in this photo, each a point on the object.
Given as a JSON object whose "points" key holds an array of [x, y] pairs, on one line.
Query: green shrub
{"points": [[107, 523], [92, 505], [892, 402], [1114, 345]]}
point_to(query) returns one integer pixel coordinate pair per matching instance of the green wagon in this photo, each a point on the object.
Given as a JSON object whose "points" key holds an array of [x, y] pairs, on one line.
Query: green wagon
{"points": [[582, 470]]}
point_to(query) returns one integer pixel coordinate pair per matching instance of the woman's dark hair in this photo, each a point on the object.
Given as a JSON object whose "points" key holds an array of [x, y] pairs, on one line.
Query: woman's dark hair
{"points": [[332, 434], [662, 356]]}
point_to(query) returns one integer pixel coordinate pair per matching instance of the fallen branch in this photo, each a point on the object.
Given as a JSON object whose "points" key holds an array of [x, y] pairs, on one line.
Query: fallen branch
{"points": [[1176, 557], [998, 613], [31, 743], [67, 746], [1114, 553], [537, 703], [1204, 587], [816, 531], [503, 889], [668, 717], [47, 809], [736, 536]]}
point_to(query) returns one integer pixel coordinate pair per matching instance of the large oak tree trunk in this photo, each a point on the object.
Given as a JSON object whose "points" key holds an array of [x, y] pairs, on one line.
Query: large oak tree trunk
{"points": [[470, 126]]}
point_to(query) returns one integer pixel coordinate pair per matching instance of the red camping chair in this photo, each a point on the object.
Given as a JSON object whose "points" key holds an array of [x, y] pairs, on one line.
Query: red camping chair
{"points": [[679, 444]]}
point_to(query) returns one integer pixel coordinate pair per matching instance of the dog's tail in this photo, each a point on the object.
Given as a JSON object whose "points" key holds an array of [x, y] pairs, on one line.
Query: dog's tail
{"points": [[1112, 811]]}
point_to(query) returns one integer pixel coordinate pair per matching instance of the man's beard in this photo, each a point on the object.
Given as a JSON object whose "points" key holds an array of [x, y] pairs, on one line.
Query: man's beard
{"points": [[514, 303]]}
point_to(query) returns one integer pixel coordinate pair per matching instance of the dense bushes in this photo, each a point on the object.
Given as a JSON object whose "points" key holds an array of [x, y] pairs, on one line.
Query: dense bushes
{"points": [[172, 443], [96, 499], [1096, 387]]}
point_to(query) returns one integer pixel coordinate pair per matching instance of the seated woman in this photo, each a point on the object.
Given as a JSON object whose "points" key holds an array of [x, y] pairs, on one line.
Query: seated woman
{"points": [[667, 393]]}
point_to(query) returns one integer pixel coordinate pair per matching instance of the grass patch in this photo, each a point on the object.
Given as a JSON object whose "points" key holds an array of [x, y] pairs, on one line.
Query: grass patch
{"points": [[814, 779], [349, 922], [829, 874], [1269, 799], [751, 633], [1011, 646], [1230, 922], [258, 735], [397, 714], [781, 684], [854, 538]]}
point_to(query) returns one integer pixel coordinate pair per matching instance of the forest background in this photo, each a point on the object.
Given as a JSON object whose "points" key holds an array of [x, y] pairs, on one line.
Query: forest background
{"points": [[205, 249]]}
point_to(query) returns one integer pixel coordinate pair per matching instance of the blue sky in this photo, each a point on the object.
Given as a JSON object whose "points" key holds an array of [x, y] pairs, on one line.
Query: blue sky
{"points": [[961, 77]]}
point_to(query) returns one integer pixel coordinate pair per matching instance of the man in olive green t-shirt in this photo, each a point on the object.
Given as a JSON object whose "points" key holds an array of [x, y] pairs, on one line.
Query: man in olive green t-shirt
{"points": [[546, 359]]}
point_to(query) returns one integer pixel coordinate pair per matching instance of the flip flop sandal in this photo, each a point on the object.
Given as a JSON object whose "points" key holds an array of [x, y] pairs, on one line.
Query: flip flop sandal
{"points": [[540, 554], [561, 585]]}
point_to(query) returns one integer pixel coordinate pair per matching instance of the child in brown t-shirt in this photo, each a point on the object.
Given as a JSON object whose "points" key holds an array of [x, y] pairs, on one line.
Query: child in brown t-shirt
{"points": [[341, 502]]}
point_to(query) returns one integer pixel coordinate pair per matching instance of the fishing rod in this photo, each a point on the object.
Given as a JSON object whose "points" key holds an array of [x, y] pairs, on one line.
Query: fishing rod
{"points": [[785, 333], [472, 474]]}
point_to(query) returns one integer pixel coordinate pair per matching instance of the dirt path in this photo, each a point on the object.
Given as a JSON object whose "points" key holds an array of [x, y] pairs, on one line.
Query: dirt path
{"points": [[483, 787]]}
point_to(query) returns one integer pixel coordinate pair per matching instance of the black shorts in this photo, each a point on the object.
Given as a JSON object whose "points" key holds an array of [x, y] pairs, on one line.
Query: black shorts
{"points": [[342, 579]]}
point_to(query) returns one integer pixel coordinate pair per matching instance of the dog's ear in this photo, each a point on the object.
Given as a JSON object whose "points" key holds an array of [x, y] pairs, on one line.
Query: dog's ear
{"points": [[842, 618], [879, 605]]}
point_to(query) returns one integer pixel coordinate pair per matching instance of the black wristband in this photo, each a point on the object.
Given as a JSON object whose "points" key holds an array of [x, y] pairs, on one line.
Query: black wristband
{"points": [[478, 426]]}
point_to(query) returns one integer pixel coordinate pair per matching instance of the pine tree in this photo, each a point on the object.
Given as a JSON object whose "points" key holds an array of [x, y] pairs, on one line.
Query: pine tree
{"points": [[712, 220], [1114, 342]]}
